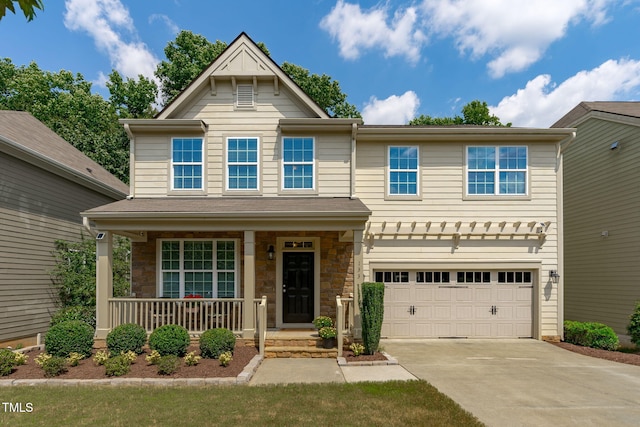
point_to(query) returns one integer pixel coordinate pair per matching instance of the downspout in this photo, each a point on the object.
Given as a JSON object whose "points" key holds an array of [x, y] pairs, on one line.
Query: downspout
{"points": [[561, 147], [354, 132]]}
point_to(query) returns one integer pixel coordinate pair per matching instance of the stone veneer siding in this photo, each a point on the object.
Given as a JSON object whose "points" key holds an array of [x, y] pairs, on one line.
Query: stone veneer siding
{"points": [[336, 265]]}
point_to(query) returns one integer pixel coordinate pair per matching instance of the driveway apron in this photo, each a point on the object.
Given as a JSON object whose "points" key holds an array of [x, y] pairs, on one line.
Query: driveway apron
{"points": [[525, 382]]}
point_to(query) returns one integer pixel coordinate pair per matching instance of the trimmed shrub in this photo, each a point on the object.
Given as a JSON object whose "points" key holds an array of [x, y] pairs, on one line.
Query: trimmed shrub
{"points": [[168, 364], [7, 361], [372, 313], [75, 312], [214, 342], [634, 325], [117, 366], [170, 339], [590, 334], [69, 336], [54, 366], [126, 337]]}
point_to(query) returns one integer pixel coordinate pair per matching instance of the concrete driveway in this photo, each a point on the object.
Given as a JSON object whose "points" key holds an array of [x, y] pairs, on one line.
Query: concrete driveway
{"points": [[525, 382]]}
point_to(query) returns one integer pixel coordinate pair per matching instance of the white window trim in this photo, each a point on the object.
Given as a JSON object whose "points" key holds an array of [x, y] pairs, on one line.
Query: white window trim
{"points": [[312, 163], [227, 164], [172, 164], [496, 171], [181, 271], [388, 193]]}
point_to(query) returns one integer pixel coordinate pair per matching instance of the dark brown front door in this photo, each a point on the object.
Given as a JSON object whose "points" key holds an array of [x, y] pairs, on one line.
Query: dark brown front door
{"points": [[297, 287]]}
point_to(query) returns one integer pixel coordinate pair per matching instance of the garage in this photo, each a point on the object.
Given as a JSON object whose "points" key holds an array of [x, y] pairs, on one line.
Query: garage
{"points": [[457, 303]]}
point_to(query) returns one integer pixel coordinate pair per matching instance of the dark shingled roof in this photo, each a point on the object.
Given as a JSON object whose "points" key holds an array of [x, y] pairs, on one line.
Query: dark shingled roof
{"points": [[230, 206], [629, 109], [32, 136]]}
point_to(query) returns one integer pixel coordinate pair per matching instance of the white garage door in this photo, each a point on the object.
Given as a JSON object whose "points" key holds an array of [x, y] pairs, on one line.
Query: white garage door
{"points": [[471, 304]]}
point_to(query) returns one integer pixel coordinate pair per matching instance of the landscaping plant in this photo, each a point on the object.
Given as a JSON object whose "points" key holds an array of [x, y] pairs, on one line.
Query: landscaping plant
{"points": [[7, 362], [372, 313], [74, 358], [126, 337], [590, 334], [117, 366], [168, 364], [153, 358], [322, 321], [54, 366], [69, 336], [225, 358], [101, 357], [214, 342], [634, 325], [170, 339], [191, 359], [356, 348]]}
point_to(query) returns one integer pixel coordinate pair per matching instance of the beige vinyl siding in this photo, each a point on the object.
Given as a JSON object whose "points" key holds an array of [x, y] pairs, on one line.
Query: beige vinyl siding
{"points": [[152, 151], [442, 181], [36, 208], [602, 193]]}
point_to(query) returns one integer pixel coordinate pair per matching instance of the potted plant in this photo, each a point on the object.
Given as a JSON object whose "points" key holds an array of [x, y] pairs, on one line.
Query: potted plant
{"points": [[328, 335], [322, 321]]}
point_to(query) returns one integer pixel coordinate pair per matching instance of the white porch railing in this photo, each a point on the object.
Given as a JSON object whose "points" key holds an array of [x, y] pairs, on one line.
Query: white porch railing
{"points": [[195, 314], [344, 319]]}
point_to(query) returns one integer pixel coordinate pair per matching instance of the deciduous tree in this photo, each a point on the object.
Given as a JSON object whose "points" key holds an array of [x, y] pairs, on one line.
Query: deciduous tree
{"points": [[28, 7]]}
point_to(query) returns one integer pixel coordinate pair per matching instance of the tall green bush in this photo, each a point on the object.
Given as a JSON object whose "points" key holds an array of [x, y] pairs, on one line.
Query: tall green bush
{"points": [[634, 325], [75, 312], [372, 313], [214, 342]]}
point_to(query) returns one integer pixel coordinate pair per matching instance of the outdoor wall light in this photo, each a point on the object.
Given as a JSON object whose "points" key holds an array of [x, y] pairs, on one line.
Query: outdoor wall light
{"points": [[271, 252], [554, 276]]}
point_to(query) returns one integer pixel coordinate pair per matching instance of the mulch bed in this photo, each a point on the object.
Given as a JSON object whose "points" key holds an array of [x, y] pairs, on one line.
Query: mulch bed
{"points": [[87, 369], [348, 355], [616, 356]]}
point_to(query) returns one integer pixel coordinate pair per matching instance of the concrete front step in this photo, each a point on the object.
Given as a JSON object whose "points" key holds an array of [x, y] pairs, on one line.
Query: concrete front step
{"points": [[300, 352]]}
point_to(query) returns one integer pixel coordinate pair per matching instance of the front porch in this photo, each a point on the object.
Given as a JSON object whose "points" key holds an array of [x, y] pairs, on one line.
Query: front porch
{"points": [[200, 314]]}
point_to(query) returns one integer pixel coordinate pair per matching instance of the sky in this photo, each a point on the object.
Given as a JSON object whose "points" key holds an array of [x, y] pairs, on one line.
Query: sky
{"points": [[532, 61]]}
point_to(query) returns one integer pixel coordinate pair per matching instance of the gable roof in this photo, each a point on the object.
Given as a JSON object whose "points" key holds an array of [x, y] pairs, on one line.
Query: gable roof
{"points": [[25, 137], [587, 109], [241, 59]]}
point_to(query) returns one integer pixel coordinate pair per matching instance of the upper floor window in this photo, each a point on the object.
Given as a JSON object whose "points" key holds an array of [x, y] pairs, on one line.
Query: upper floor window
{"points": [[403, 170], [242, 163], [298, 163], [496, 170], [186, 163]]}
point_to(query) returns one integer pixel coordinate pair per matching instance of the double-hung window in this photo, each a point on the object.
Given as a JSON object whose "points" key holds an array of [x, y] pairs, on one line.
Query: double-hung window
{"points": [[207, 268], [186, 163], [298, 163], [403, 170], [498, 170], [242, 163]]}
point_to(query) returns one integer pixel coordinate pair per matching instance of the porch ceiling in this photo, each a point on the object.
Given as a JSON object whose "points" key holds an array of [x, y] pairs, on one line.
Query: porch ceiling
{"points": [[231, 213]]}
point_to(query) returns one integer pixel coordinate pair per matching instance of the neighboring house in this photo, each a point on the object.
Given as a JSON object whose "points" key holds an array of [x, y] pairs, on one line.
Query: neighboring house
{"points": [[602, 213], [44, 184], [243, 187]]}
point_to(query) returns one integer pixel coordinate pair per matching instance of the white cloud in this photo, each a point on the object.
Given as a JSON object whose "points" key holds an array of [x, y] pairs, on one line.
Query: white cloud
{"points": [[514, 33], [172, 26], [358, 30], [541, 103], [395, 110], [511, 34], [109, 23]]}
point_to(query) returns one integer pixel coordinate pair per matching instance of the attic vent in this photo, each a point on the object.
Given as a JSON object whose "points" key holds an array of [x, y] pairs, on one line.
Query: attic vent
{"points": [[244, 96]]}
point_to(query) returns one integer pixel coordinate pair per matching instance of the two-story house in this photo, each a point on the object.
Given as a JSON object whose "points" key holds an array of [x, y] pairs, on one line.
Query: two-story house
{"points": [[602, 192], [44, 184], [243, 188]]}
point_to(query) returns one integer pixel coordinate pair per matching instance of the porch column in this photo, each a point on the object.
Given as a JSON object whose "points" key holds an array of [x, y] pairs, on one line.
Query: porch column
{"points": [[249, 284], [358, 277], [104, 283]]}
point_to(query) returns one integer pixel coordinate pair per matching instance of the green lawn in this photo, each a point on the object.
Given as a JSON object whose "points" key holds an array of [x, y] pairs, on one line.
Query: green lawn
{"points": [[358, 404]]}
